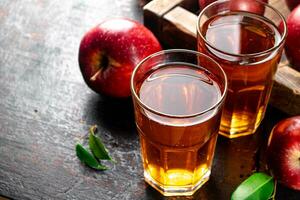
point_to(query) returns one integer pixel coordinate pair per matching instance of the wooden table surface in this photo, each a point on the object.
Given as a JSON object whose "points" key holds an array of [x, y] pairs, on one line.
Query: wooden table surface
{"points": [[45, 108]]}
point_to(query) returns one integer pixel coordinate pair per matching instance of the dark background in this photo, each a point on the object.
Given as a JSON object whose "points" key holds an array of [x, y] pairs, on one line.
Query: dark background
{"points": [[45, 108]]}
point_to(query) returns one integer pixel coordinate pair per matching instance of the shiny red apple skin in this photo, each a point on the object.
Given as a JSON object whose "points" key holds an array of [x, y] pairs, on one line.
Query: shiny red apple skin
{"points": [[248, 6], [292, 43], [283, 152], [292, 3], [239, 5], [204, 3], [109, 52]]}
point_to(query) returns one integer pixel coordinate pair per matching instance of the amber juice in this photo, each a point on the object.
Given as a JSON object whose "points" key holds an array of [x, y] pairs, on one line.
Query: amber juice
{"points": [[237, 41], [177, 151]]}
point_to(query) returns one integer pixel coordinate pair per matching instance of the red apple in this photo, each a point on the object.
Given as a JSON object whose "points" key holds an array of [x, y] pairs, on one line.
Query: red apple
{"points": [[292, 43], [292, 3], [204, 3], [248, 6], [239, 5], [283, 152], [109, 52]]}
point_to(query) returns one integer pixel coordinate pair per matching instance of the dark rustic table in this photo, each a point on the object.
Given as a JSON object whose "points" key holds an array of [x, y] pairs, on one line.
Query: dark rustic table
{"points": [[45, 108]]}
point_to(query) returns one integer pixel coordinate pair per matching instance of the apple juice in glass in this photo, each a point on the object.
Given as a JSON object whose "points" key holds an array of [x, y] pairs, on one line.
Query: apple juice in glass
{"points": [[248, 45], [178, 97]]}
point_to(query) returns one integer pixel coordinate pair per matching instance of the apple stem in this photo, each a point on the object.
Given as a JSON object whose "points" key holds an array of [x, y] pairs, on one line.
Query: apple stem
{"points": [[93, 78], [102, 65]]}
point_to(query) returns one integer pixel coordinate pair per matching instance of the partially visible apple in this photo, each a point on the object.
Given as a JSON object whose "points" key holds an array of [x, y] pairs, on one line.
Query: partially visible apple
{"points": [[283, 152], [204, 3], [292, 3], [248, 6], [292, 43], [239, 5], [109, 52]]}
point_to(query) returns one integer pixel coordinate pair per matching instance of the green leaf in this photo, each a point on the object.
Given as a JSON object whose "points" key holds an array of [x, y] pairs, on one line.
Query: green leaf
{"points": [[97, 147], [87, 158], [258, 186]]}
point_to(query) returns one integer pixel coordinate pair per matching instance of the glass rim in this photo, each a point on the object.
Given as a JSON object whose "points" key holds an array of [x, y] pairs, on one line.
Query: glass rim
{"points": [[196, 53], [282, 39]]}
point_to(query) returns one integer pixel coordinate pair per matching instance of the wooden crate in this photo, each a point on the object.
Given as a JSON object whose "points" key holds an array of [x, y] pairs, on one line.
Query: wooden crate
{"points": [[174, 24]]}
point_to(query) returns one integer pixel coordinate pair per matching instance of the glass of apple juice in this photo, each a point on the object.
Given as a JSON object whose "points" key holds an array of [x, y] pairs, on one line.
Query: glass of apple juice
{"points": [[244, 38], [178, 97]]}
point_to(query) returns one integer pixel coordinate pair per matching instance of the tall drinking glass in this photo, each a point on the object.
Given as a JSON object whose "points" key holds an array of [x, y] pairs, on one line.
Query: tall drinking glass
{"points": [[246, 42], [178, 96]]}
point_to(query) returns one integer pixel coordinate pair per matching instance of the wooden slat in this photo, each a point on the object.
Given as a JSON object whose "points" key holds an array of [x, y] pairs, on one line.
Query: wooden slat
{"points": [[280, 5], [180, 35], [286, 90], [154, 12]]}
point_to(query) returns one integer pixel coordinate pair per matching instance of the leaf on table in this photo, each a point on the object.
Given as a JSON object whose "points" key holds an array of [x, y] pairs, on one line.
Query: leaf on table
{"points": [[97, 147], [258, 186], [87, 158]]}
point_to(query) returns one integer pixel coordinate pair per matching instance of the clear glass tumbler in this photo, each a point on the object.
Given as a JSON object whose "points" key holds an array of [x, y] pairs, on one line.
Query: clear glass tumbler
{"points": [[178, 97], [243, 37]]}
